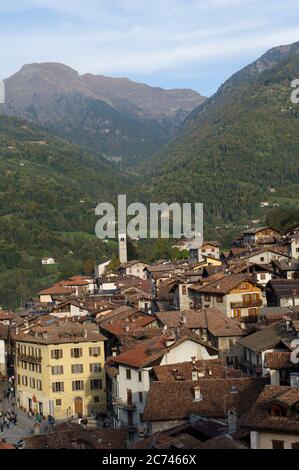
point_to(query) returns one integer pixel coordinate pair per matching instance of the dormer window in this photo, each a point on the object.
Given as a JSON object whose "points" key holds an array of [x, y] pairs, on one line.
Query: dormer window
{"points": [[277, 410]]}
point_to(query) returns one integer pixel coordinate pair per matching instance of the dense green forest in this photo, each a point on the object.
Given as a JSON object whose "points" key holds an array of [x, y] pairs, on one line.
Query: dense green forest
{"points": [[49, 189], [237, 149]]}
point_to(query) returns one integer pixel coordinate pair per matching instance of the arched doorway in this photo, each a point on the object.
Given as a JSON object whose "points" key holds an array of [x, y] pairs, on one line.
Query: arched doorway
{"points": [[79, 407]]}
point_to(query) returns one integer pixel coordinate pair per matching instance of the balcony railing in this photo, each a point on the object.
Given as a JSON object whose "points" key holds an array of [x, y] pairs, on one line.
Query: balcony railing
{"points": [[124, 404], [250, 304], [29, 358]]}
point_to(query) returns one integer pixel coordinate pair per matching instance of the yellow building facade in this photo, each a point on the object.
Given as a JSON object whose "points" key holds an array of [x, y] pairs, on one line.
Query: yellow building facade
{"points": [[60, 371]]}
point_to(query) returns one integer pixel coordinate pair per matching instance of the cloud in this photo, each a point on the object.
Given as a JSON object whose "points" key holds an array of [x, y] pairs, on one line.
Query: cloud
{"points": [[149, 37]]}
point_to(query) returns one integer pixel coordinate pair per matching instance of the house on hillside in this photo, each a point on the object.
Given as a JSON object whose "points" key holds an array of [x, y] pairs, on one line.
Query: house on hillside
{"points": [[283, 293], [235, 295], [47, 261], [260, 236], [134, 268]]}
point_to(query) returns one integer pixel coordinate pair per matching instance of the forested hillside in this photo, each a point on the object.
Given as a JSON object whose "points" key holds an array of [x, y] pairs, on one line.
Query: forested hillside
{"points": [[239, 148]]}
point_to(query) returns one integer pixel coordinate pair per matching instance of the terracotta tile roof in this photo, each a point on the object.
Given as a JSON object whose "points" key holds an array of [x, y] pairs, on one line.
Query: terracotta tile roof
{"points": [[189, 435], [5, 445], [225, 441], [260, 418], [220, 325], [284, 287], [212, 369], [193, 318], [277, 360], [6, 316], [57, 290], [222, 286], [121, 327], [132, 263], [119, 313], [267, 338], [75, 281], [171, 401], [72, 435], [149, 352], [60, 332]]}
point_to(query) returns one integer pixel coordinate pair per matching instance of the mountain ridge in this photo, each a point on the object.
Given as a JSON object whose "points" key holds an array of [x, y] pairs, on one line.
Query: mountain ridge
{"points": [[118, 118]]}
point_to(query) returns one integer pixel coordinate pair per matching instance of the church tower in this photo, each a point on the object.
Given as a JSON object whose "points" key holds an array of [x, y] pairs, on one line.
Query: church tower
{"points": [[122, 246]]}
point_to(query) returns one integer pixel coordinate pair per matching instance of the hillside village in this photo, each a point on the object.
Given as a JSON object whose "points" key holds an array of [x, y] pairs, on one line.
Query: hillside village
{"points": [[192, 354]]}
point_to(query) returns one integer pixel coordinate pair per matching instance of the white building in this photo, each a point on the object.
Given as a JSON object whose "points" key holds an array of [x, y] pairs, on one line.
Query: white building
{"points": [[47, 261], [132, 383]]}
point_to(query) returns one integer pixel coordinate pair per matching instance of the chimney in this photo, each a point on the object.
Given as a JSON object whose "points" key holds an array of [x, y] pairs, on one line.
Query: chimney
{"points": [[17, 330], [85, 333], [184, 319], [194, 375], [232, 420], [114, 352]]}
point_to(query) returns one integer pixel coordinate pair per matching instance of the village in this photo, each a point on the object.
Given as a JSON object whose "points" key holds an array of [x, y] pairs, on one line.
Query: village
{"points": [[201, 353]]}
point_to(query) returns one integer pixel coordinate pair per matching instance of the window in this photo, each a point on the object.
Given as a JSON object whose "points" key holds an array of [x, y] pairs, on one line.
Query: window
{"points": [[57, 370], [96, 384], [236, 313], [128, 374], [57, 354], [277, 444], [96, 399], [58, 402], [32, 382], [38, 384], [262, 276], [77, 385], [24, 380], [77, 368], [207, 298], [295, 445], [219, 300], [252, 312], [277, 410], [140, 397], [139, 376], [76, 352], [57, 387], [95, 351], [262, 259], [184, 290], [19, 379], [96, 367]]}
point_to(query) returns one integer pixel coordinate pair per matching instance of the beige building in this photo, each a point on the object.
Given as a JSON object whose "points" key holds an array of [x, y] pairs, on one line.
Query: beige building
{"points": [[60, 370], [235, 295]]}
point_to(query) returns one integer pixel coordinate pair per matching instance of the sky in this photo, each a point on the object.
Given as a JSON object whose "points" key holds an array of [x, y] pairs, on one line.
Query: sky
{"points": [[170, 43]]}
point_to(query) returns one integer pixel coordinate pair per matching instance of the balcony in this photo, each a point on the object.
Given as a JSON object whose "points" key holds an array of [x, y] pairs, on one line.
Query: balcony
{"points": [[251, 304], [253, 368], [124, 404], [29, 358]]}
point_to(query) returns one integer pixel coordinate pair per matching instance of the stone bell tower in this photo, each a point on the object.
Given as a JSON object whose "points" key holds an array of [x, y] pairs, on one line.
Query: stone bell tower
{"points": [[122, 247]]}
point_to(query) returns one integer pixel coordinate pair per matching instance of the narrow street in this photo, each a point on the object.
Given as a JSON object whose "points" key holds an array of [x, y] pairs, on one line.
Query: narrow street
{"points": [[24, 426]]}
